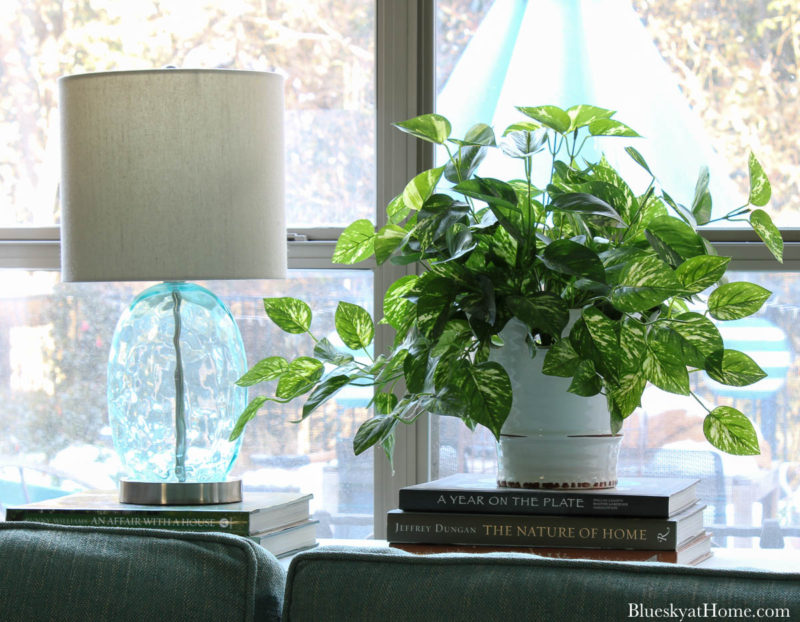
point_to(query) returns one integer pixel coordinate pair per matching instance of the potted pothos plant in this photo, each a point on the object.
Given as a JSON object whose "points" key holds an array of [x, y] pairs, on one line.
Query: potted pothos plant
{"points": [[644, 289]]}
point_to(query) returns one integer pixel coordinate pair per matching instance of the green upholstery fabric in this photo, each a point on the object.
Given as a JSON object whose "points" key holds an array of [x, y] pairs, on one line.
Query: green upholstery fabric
{"points": [[118, 574], [374, 584]]}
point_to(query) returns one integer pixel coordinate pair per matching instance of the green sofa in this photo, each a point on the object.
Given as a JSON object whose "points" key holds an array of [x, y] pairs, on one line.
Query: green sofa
{"points": [[87, 574], [80, 573]]}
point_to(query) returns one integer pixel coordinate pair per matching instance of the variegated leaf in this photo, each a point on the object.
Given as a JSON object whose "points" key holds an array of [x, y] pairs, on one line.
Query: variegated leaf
{"points": [[585, 382], [561, 360], [671, 348], [632, 345], [644, 283], [266, 369], [419, 189], [605, 340], [665, 375], [431, 127], [701, 272], [760, 189], [734, 368], [301, 375], [354, 325], [733, 301], [627, 393], [486, 390], [699, 331], [729, 430]]}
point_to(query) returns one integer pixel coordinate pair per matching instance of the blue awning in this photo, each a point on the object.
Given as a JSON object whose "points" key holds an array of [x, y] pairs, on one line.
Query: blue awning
{"points": [[567, 52]]}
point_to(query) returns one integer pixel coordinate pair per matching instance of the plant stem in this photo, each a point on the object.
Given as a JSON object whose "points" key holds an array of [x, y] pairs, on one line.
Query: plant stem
{"points": [[697, 399]]}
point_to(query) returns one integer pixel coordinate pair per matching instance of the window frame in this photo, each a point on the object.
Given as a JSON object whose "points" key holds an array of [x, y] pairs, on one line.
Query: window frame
{"points": [[405, 87]]}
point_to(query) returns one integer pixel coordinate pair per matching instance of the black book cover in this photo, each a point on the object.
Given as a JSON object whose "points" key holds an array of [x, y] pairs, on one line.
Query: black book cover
{"points": [[657, 534], [478, 493]]}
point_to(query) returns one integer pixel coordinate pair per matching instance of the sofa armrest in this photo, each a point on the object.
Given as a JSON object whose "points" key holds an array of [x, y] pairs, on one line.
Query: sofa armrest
{"points": [[50, 572], [343, 583]]}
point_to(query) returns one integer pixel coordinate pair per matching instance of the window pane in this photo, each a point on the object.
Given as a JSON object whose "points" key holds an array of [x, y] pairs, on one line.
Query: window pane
{"points": [[704, 82], [325, 50], [665, 435], [55, 338]]}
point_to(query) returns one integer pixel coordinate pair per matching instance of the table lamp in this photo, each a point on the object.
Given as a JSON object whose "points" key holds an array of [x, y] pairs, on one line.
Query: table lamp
{"points": [[173, 175]]}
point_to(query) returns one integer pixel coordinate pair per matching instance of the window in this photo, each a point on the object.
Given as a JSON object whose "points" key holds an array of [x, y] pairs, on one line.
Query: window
{"points": [[731, 66], [705, 82], [54, 338]]}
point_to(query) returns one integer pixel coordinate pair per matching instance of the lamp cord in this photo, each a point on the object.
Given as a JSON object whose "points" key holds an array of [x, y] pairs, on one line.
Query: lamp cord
{"points": [[180, 417]]}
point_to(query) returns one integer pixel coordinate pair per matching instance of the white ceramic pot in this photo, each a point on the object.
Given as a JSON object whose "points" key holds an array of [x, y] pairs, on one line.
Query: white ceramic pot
{"points": [[552, 438]]}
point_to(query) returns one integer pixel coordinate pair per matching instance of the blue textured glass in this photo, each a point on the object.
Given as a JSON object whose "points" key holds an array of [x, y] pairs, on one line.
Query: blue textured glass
{"points": [[146, 425]]}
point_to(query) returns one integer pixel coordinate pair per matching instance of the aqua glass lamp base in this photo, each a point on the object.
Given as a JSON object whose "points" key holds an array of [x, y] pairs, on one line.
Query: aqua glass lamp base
{"points": [[172, 396]]}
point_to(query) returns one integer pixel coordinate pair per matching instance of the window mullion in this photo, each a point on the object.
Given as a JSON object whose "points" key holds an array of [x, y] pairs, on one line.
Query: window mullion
{"points": [[404, 56]]}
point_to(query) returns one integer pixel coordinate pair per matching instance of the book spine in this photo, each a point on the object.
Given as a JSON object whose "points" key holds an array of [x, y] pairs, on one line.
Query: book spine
{"points": [[547, 531], [230, 523], [513, 501], [623, 555]]}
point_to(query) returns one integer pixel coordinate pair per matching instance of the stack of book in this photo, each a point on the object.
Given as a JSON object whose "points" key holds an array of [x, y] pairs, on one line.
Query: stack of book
{"points": [[278, 521], [641, 519]]}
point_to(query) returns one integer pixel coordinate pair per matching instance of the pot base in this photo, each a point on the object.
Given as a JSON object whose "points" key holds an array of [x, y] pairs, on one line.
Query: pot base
{"points": [[558, 462], [556, 485]]}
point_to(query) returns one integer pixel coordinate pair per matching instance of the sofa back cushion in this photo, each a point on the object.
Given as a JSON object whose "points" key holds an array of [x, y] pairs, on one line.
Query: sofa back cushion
{"points": [[385, 584], [66, 573]]}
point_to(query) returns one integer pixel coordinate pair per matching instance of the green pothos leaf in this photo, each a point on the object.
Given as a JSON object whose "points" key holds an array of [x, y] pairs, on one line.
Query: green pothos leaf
{"points": [[551, 116], [627, 392], [387, 240], [356, 242], [611, 127], [247, 415], [665, 374], [385, 402], [585, 382], [289, 314], [326, 351], [354, 325], [643, 283], [419, 189], [760, 189], [373, 431], [396, 307], [770, 234], [433, 128], [734, 368], [701, 272], [733, 301], [698, 331], [729, 430], [300, 377], [266, 369], [323, 392], [486, 390], [561, 359]]}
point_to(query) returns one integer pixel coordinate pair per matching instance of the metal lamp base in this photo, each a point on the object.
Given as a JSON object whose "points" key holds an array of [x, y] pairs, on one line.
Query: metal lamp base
{"points": [[180, 493]]}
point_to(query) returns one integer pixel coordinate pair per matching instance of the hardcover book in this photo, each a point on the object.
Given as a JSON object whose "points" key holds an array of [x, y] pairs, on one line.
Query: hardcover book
{"points": [[690, 553], [257, 512], [657, 534], [288, 540], [479, 493]]}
